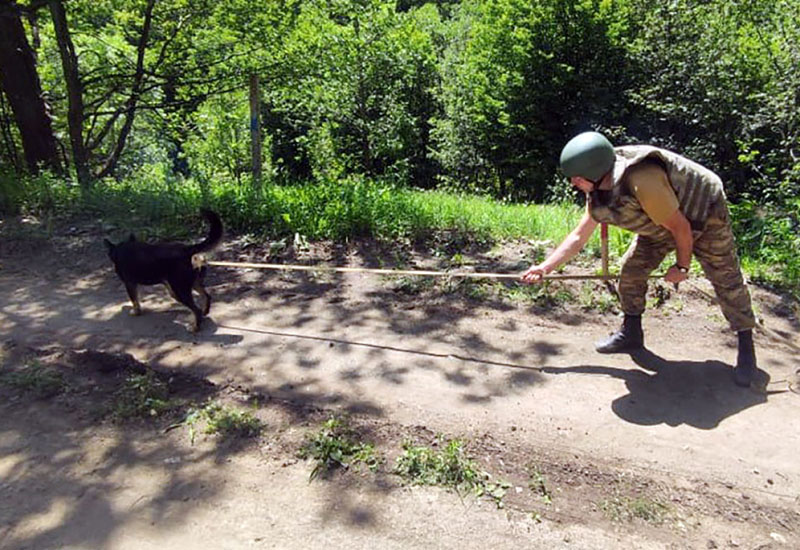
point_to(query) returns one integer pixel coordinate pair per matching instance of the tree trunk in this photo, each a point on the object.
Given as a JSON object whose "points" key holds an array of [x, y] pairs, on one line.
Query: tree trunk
{"points": [[20, 82], [130, 106], [255, 130], [69, 62]]}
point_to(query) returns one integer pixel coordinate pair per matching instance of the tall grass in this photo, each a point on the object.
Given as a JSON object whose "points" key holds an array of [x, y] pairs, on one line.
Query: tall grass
{"points": [[356, 207]]}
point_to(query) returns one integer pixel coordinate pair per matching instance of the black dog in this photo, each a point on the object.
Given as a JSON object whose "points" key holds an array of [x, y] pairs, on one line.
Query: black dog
{"points": [[173, 265]]}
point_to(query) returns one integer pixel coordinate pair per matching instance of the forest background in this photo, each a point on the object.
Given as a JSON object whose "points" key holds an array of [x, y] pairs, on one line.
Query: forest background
{"points": [[333, 119]]}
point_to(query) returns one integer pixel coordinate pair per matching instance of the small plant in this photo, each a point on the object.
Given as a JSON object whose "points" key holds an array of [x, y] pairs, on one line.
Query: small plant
{"points": [[466, 287], [593, 298], [35, 378], [223, 420], [626, 509], [542, 295], [537, 484], [412, 285], [448, 467], [335, 446], [141, 395], [660, 296]]}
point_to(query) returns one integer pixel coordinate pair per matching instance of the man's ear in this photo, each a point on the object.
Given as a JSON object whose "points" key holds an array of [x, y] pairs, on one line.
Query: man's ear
{"points": [[109, 244]]}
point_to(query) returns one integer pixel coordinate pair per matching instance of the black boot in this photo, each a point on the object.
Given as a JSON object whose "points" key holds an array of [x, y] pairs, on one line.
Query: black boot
{"points": [[627, 339], [745, 360]]}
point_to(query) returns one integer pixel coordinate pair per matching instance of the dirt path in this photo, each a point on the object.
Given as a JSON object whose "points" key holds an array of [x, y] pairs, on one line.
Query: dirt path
{"points": [[522, 385]]}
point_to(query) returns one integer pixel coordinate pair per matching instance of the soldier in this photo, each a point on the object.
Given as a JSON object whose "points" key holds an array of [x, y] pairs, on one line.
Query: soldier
{"points": [[671, 203]]}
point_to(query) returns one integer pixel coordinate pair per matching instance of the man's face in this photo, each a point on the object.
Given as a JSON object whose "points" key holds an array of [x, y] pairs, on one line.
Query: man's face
{"points": [[582, 183]]}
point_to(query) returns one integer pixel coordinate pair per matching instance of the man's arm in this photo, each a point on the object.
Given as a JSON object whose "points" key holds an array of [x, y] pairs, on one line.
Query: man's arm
{"points": [[650, 184], [564, 252], [681, 230]]}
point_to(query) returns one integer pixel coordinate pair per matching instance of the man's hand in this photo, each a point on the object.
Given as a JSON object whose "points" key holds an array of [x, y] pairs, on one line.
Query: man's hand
{"points": [[535, 274], [676, 275]]}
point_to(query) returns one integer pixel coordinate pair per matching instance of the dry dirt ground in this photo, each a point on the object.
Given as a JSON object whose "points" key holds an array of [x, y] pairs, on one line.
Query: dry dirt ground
{"points": [[657, 450]]}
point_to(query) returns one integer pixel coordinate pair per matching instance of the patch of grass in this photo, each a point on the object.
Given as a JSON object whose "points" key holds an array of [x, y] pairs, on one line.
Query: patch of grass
{"points": [[594, 297], [625, 509], [659, 295], [447, 466], [545, 295], [222, 420], [473, 289], [37, 379], [537, 484], [141, 396], [353, 206], [412, 285], [336, 445]]}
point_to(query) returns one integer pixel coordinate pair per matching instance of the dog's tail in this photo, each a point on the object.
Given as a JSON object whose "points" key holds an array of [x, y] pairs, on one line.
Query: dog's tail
{"points": [[214, 233]]}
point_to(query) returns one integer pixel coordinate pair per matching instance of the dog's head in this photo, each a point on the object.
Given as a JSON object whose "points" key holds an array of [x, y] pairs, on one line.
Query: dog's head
{"points": [[112, 248]]}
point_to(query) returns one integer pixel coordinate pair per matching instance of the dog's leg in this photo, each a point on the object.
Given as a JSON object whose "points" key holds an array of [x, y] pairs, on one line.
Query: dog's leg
{"points": [[184, 296], [171, 292], [198, 286], [133, 294]]}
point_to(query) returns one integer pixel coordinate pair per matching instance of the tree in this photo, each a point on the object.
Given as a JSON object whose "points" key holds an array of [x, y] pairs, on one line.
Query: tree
{"points": [[69, 63], [21, 85]]}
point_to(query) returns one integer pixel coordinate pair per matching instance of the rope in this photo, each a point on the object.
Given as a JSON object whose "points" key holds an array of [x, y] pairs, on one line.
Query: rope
{"points": [[409, 272]]}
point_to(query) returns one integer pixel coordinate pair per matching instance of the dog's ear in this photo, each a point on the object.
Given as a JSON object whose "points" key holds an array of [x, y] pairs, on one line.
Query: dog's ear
{"points": [[109, 244], [131, 238]]}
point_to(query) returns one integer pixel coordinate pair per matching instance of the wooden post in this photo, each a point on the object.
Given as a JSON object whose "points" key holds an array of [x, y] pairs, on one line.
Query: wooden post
{"points": [[255, 130], [604, 247]]}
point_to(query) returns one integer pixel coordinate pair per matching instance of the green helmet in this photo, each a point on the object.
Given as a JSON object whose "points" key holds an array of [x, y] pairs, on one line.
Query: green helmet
{"points": [[588, 155]]}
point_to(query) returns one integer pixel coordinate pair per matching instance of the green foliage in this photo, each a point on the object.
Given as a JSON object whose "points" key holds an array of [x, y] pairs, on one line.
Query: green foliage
{"points": [[769, 237], [352, 92], [33, 377], [447, 466], [228, 422], [518, 77], [626, 509], [594, 297], [538, 484], [141, 396], [336, 445], [719, 83]]}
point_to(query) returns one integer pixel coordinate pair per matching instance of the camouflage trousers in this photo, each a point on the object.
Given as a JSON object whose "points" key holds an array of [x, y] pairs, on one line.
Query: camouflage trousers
{"points": [[714, 248]]}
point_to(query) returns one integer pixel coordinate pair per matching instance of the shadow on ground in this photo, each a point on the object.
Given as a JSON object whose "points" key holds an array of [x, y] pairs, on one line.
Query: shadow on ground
{"points": [[695, 393]]}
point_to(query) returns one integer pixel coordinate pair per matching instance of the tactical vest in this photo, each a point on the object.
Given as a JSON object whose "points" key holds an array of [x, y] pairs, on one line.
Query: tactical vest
{"points": [[696, 187]]}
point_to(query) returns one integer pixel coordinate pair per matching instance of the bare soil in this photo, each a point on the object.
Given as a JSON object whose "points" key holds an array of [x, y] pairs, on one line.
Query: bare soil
{"points": [[656, 450]]}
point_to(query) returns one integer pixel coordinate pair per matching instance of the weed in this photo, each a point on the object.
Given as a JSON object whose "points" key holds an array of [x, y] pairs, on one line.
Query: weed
{"points": [[354, 206], [660, 295], [466, 287], [413, 285], [544, 295], [594, 297], [222, 420], [335, 445], [537, 484], [447, 466], [35, 378], [626, 509], [141, 395]]}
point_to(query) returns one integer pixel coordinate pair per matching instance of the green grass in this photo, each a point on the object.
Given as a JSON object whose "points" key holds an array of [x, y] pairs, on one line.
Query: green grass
{"points": [[448, 466], [36, 379], [141, 396], [336, 445], [538, 485], [626, 509], [357, 207], [226, 421]]}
